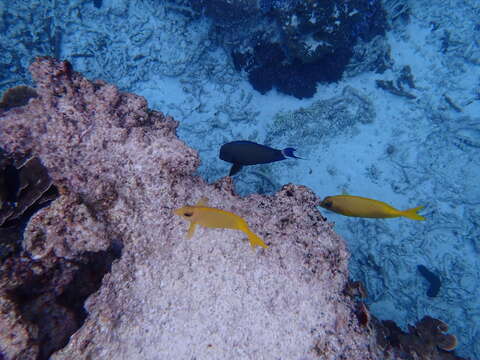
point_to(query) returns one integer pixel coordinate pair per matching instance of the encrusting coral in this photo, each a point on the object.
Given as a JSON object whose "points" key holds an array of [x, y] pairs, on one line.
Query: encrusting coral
{"points": [[121, 171]]}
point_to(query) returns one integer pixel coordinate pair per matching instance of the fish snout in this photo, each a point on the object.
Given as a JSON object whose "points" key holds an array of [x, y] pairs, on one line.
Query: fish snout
{"points": [[177, 212], [185, 212]]}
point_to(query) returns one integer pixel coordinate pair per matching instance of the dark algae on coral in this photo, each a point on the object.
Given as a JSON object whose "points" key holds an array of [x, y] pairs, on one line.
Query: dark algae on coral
{"points": [[433, 279]]}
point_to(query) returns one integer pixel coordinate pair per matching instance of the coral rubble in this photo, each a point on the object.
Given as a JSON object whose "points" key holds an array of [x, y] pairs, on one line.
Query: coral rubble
{"points": [[121, 171], [323, 119]]}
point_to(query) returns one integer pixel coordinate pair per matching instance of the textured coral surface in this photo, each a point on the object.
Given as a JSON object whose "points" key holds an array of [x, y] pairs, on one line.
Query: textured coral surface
{"points": [[121, 172]]}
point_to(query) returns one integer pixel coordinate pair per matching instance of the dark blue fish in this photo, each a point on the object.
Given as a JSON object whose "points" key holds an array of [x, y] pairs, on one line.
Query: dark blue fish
{"points": [[244, 152]]}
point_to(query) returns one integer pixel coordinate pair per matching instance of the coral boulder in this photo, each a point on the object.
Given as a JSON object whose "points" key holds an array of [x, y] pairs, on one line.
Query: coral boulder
{"points": [[121, 171]]}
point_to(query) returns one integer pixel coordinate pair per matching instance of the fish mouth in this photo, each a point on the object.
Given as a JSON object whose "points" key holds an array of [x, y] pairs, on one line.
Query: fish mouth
{"points": [[326, 203]]}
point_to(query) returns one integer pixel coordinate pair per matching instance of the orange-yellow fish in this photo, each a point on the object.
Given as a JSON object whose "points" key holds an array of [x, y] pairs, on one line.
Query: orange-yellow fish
{"points": [[357, 206], [216, 218]]}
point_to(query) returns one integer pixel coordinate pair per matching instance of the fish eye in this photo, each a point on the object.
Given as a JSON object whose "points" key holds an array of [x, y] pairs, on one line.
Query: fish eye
{"points": [[327, 204], [188, 214]]}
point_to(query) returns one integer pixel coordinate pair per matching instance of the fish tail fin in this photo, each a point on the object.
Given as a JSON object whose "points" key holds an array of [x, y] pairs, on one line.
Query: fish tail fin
{"points": [[288, 152], [255, 240], [412, 213]]}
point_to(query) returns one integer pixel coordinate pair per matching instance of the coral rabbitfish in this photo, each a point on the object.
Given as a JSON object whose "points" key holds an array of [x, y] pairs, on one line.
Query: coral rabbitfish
{"points": [[357, 206], [209, 217]]}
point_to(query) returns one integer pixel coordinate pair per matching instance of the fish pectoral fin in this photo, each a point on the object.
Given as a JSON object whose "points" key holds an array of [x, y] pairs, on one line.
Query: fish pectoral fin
{"points": [[202, 202], [255, 240], [235, 169], [191, 230]]}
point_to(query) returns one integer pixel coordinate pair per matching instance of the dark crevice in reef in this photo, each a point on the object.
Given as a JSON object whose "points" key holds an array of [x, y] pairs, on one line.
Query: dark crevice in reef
{"points": [[56, 309], [87, 280], [51, 325]]}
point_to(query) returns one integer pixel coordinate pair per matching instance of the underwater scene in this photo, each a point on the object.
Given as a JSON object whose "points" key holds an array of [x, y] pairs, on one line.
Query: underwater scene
{"points": [[374, 105]]}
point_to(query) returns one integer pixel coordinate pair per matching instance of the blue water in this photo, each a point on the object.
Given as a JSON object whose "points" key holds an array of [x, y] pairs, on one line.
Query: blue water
{"points": [[357, 138]]}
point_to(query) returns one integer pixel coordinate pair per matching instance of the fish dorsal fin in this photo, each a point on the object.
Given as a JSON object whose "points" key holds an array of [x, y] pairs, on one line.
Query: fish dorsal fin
{"points": [[235, 169], [202, 202]]}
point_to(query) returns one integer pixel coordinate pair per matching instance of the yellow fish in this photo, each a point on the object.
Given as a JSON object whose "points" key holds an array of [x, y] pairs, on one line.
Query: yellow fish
{"points": [[357, 206], [216, 218]]}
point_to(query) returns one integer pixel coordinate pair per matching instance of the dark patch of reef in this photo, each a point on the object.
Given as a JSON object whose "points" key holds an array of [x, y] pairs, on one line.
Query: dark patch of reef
{"points": [[433, 280], [43, 300], [293, 46]]}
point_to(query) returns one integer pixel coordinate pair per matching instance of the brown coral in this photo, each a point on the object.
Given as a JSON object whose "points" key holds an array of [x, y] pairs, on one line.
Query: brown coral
{"points": [[447, 342], [432, 330], [363, 314], [355, 289], [426, 340]]}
